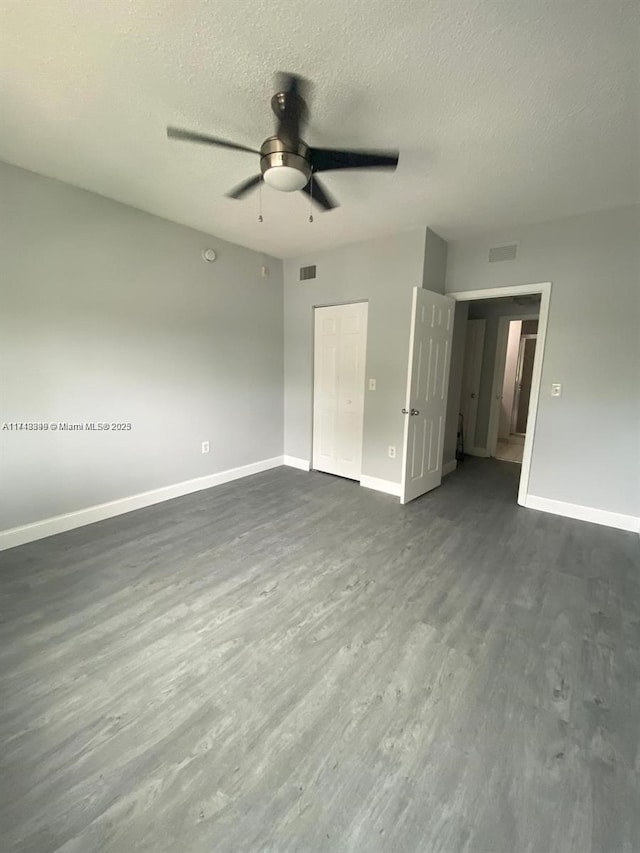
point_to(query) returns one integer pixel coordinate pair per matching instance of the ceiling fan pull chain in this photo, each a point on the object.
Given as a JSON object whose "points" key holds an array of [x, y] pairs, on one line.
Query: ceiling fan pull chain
{"points": [[311, 198], [260, 219]]}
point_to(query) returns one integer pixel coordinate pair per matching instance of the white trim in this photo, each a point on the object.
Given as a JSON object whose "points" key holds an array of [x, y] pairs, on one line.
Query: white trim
{"points": [[387, 486], [477, 451], [499, 292], [544, 289], [69, 521], [295, 462], [449, 467], [584, 513]]}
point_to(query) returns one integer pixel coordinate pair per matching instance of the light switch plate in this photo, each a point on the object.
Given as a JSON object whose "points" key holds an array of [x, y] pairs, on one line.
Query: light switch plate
{"points": [[556, 390], [372, 385]]}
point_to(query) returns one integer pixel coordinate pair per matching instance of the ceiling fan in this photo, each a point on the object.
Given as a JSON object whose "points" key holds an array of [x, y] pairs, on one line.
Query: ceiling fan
{"points": [[287, 163]]}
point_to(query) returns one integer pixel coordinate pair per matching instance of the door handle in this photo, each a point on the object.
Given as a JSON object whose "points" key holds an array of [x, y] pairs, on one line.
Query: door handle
{"points": [[414, 412], [473, 396]]}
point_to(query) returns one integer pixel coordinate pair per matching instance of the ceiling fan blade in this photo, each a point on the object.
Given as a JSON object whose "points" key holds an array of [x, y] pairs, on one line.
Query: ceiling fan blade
{"points": [[319, 194], [190, 136], [243, 188], [325, 159]]}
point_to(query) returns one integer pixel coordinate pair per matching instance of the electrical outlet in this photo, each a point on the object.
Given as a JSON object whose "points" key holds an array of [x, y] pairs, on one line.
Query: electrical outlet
{"points": [[556, 390], [392, 453], [372, 385], [205, 446]]}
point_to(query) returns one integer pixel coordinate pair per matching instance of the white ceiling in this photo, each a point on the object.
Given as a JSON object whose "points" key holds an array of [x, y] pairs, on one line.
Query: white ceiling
{"points": [[505, 111]]}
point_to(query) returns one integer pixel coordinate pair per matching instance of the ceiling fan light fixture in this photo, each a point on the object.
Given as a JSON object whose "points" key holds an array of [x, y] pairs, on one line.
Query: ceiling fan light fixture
{"points": [[283, 169], [287, 179]]}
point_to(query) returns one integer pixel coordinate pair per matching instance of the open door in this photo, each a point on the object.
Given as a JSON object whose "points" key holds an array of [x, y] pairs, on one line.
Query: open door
{"points": [[427, 386]]}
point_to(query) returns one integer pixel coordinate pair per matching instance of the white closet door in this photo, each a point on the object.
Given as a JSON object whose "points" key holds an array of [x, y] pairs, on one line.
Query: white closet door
{"points": [[340, 345]]}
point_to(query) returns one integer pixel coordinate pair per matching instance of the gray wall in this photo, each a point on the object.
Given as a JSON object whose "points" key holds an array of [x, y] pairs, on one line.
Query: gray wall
{"points": [[491, 312], [382, 271], [587, 442], [109, 314], [435, 262], [458, 340]]}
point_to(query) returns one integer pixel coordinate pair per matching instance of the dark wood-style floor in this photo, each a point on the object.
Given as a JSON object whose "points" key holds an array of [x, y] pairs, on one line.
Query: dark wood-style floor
{"points": [[294, 663]]}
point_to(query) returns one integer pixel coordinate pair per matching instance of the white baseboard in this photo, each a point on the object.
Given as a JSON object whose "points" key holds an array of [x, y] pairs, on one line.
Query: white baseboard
{"points": [[584, 513], [477, 451], [449, 467], [60, 523], [387, 486], [294, 462]]}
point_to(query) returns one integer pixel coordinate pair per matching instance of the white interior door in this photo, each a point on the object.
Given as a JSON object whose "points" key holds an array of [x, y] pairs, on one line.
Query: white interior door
{"points": [[471, 373], [340, 346], [427, 388]]}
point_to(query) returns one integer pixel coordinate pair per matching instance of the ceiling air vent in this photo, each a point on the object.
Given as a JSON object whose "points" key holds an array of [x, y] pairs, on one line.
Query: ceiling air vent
{"points": [[503, 253], [307, 272]]}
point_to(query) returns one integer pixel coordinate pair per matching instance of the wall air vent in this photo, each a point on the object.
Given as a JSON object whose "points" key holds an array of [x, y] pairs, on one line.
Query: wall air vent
{"points": [[503, 253], [307, 272]]}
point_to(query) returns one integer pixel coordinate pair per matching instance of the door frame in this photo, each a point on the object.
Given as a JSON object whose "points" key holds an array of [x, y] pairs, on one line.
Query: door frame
{"points": [[544, 289]]}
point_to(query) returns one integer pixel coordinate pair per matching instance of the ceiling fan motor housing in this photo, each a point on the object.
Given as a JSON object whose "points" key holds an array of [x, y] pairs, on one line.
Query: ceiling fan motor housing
{"points": [[282, 168]]}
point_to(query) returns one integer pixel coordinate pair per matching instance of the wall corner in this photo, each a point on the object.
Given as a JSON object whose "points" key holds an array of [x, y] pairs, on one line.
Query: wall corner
{"points": [[434, 268]]}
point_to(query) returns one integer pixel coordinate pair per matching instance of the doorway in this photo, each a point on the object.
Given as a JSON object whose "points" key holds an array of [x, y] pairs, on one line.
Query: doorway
{"points": [[340, 345], [534, 300]]}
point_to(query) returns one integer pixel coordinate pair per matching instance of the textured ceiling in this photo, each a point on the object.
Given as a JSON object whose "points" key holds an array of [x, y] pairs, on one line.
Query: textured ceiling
{"points": [[505, 111]]}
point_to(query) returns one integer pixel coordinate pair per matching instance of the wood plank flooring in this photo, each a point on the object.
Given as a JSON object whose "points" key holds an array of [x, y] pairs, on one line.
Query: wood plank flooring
{"points": [[293, 663]]}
